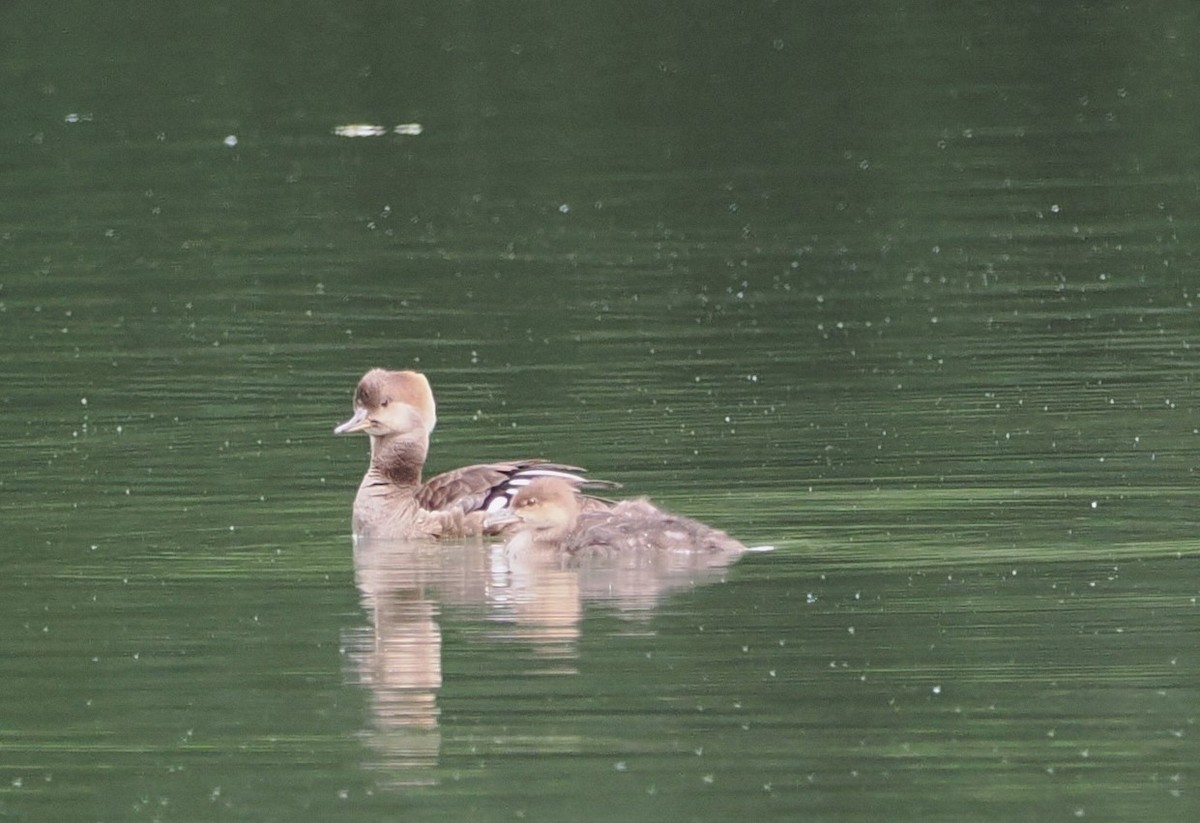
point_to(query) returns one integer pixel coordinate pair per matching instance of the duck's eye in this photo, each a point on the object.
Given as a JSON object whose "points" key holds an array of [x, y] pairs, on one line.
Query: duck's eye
{"points": [[529, 501], [385, 402]]}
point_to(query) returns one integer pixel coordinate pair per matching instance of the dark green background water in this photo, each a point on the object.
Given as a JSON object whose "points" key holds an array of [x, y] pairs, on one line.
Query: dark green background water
{"points": [[906, 290]]}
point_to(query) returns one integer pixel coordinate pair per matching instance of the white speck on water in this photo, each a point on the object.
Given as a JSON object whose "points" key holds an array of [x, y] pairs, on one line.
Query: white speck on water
{"points": [[936, 690], [564, 208], [230, 140], [1095, 503]]}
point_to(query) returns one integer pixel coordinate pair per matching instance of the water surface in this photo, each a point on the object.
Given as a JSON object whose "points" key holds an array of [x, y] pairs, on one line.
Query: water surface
{"points": [[906, 293]]}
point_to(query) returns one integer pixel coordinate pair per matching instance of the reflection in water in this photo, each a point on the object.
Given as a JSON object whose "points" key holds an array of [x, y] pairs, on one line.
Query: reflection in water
{"points": [[536, 594], [399, 656], [538, 599], [635, 583]]}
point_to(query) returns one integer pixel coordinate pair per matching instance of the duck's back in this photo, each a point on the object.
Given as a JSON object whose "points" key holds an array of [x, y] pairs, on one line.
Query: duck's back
{"points": [[639, 526]]}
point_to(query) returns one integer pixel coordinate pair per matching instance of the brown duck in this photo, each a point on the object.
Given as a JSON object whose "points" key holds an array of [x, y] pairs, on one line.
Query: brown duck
{"points": [[397, 410]]}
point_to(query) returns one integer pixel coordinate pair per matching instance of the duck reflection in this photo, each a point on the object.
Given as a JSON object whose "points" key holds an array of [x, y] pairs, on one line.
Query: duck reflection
{"points": [[398, 657], [532, 595], [536, 603]]}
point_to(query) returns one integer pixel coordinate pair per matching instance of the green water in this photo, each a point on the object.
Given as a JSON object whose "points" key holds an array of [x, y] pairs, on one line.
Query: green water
{"points": [[907, 292]]}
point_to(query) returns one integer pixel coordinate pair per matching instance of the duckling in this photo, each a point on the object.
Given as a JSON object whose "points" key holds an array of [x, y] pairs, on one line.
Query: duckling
{"points": [[549, 512]]}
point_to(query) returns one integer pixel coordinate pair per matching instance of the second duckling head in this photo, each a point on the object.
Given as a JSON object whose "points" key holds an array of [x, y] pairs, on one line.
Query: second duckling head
{"points": [[547, 508]]}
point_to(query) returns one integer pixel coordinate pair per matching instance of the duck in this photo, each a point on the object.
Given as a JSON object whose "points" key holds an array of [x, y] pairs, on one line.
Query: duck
{"points": [[550, 513], [397, 411]]}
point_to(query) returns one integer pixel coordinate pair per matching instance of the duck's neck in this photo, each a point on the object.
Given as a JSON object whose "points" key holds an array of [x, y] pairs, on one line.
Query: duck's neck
{"points": [[398, 460], [556, 532], [538, 539]]}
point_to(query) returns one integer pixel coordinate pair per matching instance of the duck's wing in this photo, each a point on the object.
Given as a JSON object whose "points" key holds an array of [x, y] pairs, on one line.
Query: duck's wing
{"points": [[489, 486]]}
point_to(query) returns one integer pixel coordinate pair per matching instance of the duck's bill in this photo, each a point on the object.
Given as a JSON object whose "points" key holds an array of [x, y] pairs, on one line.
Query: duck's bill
{"points": [[498, 518], [356, 423]]}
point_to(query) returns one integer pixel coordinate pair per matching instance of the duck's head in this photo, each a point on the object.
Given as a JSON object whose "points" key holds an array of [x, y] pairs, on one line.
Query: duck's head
{"points": [[546, 509], [392, 403]]}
